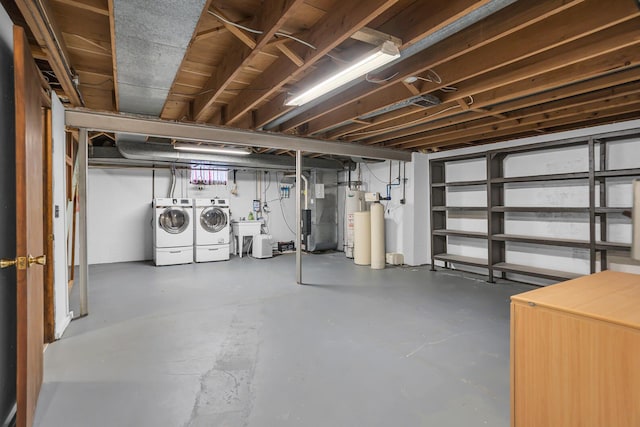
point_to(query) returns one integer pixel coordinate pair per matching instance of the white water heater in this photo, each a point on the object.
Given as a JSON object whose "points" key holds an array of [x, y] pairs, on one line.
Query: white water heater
{"points": [[354, 203]]}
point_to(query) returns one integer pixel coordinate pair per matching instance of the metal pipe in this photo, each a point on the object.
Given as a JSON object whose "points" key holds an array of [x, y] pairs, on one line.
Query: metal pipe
{"points": [[83, 238], [404, 183], [306, 191], [298, 219]]}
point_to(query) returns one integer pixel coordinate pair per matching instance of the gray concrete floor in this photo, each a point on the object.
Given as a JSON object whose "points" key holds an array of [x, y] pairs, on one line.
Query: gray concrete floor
{"points": [[237, 343]]}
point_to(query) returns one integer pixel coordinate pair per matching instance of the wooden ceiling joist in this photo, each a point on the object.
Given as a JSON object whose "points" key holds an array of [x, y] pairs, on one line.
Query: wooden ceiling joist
{"points": [[469, 74], [95, 6], [499, 25], [39, 17], [611, 82], [346, 18], [275, 13], [571, 119], [244, 36], [531, 67], [590, 102]]}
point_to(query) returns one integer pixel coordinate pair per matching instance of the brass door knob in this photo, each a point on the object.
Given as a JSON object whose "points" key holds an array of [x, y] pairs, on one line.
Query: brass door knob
{"points": [[5, 262], [20, 262], [42, 260]]}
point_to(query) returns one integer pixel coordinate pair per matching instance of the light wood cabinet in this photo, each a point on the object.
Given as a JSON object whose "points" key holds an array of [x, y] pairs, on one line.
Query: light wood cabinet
{"points": [[575, 353]]}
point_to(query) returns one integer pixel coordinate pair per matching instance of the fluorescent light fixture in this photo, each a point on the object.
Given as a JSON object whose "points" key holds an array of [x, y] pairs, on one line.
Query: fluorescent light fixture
{"points": [[181, 146], [386, 53]]}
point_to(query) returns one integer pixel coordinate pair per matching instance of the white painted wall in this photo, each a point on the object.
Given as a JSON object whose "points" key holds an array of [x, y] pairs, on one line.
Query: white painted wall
{"points": [[62, 316], [406, 225], [120, 214]]}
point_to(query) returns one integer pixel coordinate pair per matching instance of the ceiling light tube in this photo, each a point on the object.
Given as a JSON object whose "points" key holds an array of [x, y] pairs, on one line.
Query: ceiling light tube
{"points": [[386, 53], [211, 149]]}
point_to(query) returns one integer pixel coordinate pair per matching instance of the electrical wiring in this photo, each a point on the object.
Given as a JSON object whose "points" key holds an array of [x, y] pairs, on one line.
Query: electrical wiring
{"points": [[374, 175], [285, 218], [432, 77], [235, 24], [289, 36], [380, 81], [251, 30]]}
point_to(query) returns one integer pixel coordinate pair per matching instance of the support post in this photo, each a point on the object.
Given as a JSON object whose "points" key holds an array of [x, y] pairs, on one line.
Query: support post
{"points": [[298, 217], [82, 191]]}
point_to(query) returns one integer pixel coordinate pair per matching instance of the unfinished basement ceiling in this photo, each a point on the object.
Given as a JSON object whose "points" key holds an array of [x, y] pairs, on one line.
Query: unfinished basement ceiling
{"points": [[524, 69], [151, 40]]}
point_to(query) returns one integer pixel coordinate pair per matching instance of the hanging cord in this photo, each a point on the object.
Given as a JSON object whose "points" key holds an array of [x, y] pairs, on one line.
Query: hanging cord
{"points": [[432, 77], [251, 30], [379, 81]]}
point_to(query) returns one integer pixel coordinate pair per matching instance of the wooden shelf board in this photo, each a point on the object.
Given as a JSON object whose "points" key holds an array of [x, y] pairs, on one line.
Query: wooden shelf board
{"points": [[527, 270], [537, 178], [460, 233], [542, 240], [460, 259]]}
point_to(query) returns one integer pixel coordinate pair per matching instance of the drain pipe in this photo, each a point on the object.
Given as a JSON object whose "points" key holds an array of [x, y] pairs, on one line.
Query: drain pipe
{"points": [[466, 21], [306, 189]]}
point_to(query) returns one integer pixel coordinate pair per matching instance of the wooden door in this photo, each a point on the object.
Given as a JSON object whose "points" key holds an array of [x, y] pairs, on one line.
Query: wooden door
{"points": [[29, 230]]}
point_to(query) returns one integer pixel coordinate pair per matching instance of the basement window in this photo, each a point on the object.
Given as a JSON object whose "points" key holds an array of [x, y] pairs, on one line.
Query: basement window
{"points": [[207, 175]]}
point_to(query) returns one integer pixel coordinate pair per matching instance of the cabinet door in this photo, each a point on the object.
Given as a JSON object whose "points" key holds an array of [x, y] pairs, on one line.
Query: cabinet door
{"points": [[573, 371]]}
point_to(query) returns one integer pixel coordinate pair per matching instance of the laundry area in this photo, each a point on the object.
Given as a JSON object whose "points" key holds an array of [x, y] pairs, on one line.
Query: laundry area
{"points": [[319, 213]]}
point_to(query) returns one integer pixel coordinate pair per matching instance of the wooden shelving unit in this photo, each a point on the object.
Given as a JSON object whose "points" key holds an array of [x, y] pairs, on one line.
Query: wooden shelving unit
{"points": [[594, 180]]}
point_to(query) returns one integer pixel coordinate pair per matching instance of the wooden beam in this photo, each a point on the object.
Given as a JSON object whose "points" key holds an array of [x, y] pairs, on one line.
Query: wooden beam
{"points": [[411, 88], [95, 6], [290, 54], [273, 16], [83, 44], [531, 55], [240, 34], [375, 37], [463, 104], [379, 122], [421, 18], [39, 17], [590, 102], [393, 121], [499, 25], [335, 27], [202, 35], [580, 119]]}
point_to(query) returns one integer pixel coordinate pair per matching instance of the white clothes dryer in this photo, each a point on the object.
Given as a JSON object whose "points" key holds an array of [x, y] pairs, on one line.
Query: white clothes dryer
{"points": [[211, 230], [172, 231]]}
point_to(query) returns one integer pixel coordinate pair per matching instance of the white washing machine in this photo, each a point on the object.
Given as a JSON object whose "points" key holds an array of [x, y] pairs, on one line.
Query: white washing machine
{"points": [[172, 231], [211, 230]]}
